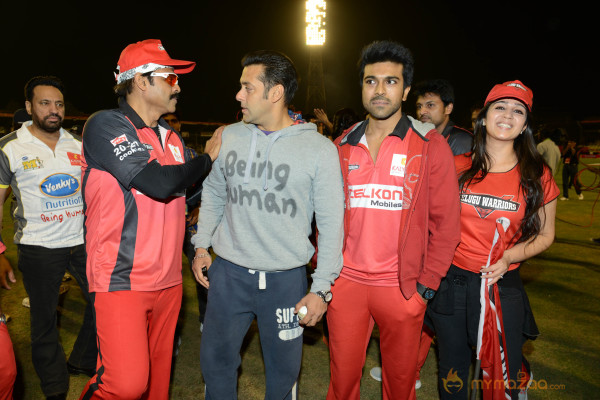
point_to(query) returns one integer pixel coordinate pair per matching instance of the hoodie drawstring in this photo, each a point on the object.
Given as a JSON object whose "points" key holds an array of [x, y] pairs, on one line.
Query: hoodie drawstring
{"points": [[272, 138]]}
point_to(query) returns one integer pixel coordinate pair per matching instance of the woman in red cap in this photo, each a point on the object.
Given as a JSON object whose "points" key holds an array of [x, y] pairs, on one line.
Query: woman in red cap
{"points": [[508, 205]]}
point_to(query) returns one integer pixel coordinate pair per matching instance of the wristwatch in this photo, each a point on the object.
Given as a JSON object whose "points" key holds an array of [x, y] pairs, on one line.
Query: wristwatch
{"points": [[425, 292], [2, 319], [325, 296]]}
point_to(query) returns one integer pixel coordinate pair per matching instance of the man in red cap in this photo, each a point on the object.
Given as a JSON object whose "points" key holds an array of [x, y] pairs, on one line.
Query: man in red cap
{"points": [[134, 174]]}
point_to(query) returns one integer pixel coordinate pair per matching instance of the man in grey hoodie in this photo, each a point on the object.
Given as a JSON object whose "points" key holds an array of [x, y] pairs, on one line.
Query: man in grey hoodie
{"points": [[272, 175]]}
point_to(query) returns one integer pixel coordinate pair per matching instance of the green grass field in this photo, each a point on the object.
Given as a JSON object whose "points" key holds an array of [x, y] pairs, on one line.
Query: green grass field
{"points": [[563, 285]]}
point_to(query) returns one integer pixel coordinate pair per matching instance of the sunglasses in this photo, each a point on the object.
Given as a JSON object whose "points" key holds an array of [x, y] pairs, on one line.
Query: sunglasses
{"points": [[170, 77]]}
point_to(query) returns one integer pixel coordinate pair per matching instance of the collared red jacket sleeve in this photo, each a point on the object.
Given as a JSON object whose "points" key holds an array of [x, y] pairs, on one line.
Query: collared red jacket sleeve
{"points": [[443, 204]]}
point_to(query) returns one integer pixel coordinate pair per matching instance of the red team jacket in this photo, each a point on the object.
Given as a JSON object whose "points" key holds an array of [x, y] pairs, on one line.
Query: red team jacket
{"points": [[133, 242], [430, 222]]}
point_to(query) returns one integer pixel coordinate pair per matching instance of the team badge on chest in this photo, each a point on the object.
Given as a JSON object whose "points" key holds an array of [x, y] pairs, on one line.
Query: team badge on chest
{"points": [[30, 164], [176, 153]]}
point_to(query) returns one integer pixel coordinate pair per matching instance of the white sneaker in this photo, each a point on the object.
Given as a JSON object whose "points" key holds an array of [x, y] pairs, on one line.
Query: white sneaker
{"points": [[580, 196], [25, 302], [376, 373], [201, 326], [564, 198], [178, 343]]}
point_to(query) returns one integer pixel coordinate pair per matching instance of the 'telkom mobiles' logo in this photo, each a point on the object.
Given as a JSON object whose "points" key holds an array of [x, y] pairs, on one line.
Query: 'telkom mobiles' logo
{"points": [[452, 383], [59, 185]]}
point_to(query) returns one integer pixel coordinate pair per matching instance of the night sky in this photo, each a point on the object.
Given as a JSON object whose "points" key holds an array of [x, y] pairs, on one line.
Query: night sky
{"points": [[473, 45]]}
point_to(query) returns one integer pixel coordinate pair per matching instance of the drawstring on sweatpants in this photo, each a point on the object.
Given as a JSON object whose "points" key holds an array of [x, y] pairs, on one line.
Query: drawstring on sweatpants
{"points": [[262, 278]]}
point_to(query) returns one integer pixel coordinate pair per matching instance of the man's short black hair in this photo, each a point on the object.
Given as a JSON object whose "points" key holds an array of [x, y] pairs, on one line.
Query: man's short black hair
{"points": [[42, 81], [387, 50], [279, 70], [441, 87]]}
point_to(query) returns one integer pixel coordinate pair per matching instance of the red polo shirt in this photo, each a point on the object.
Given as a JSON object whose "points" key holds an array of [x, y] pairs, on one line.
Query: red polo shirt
{"points": [[376, 194]]}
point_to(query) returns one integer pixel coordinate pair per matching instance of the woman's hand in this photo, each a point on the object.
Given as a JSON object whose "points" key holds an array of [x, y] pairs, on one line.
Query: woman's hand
{"points": [[496, 271]]}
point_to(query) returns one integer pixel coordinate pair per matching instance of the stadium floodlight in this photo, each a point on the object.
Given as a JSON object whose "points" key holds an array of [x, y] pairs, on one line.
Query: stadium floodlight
{"points": [[315, 22]]}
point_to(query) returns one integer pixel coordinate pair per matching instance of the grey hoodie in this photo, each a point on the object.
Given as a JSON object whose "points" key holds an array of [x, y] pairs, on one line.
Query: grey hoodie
{"points": [[259, 198]]}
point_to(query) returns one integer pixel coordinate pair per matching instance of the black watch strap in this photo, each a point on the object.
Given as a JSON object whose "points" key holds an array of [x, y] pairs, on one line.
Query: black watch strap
{"points": [[425, 292]]}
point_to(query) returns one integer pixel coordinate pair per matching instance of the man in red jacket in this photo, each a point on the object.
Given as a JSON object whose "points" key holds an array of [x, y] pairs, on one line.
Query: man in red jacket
{"points": [[401, 229]]}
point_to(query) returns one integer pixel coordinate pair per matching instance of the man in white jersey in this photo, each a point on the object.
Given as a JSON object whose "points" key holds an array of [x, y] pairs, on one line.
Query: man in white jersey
{"points": [[41, 163]]}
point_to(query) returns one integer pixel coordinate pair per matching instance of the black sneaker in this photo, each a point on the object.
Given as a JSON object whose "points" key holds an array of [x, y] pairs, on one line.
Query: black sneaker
{"points": [[595, 240], [73, 370]]}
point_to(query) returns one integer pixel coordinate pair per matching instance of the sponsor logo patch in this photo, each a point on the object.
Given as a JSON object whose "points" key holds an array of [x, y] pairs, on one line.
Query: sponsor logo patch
{"points": [[59, 185], [381, 197], [398, 165], [124, 150], [118, 140], [74, 158]]}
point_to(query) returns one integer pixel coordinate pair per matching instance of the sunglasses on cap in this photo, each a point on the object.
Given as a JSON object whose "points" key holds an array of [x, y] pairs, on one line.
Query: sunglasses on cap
{"points": [[170, 77]]}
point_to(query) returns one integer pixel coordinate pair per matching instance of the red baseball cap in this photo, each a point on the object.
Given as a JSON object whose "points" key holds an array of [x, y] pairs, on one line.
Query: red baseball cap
{"points": [[511, 90], [146, 56]]}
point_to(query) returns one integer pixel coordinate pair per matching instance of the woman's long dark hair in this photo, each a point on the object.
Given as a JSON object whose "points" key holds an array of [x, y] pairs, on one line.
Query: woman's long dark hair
{"points": [[531, 168]]}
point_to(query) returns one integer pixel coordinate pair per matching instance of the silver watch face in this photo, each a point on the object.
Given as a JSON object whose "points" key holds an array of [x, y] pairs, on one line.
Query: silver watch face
{"points": [[325, 296]]}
